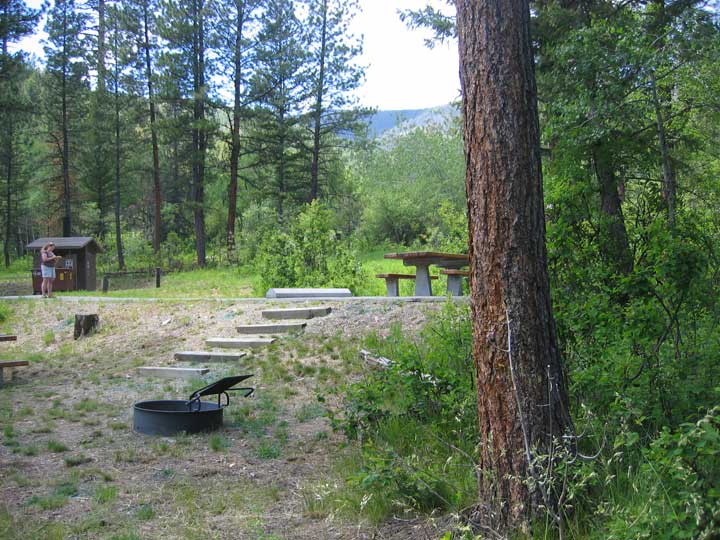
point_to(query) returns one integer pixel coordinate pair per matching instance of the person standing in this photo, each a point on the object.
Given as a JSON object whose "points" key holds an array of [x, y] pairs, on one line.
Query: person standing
{"points": [[47, 267]]}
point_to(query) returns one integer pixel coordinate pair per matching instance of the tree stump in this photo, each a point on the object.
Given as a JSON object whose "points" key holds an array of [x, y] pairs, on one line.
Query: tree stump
{"points": [[85, 324]]}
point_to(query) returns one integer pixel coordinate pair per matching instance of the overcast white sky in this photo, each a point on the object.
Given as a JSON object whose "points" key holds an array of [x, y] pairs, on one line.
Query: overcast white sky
{"points": [[401, 73]]}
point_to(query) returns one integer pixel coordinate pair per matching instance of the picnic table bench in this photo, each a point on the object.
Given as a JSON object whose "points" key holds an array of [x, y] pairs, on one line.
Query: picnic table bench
{"points": [[422, 260], [454, 280], [392, 282], [9, 364]]}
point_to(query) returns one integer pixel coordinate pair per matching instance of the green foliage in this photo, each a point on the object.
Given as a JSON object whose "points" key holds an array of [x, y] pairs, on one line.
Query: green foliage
{"points": [[5, 313], [449, 233], [309, 254], [417, 422], [405, 181]]}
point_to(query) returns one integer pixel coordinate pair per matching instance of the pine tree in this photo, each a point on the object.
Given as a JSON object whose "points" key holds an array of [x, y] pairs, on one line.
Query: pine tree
{"points": [[522, 396], [16, 21], [334, 77], [139, 24], [282, 82], [234, 43], [185, 27], [67, 73]]}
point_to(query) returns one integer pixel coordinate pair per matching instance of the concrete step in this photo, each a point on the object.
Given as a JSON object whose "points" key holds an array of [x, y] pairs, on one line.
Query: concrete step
{"points": [[296, 313], [172, 372], [208, 356], [239, 343], [308, 293], [265, 329]]}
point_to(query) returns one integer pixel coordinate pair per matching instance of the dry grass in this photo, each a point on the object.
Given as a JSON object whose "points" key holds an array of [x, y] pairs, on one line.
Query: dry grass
{"points": [[72, 467]]}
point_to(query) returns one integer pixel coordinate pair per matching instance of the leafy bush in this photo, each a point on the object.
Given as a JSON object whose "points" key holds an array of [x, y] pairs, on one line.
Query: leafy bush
{"points": [[416, 422], [673, 492], [406, 179], [450, 232], [5, 312], [308, 254]]}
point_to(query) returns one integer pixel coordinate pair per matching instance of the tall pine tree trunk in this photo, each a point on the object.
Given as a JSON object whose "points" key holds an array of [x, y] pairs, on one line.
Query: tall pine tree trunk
{"points": [[614, 243], [118, 228], [235, 135], [67, 217], [157, 218], [317, 113], [198, 132], [522, 396], [100, 122], [7, 143]]}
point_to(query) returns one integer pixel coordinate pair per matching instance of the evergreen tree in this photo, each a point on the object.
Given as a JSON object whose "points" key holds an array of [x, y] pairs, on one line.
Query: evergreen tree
{"points": [[16, 21], [185, 28], [235, 38], [522, 396], [140, 23], [282, 82], [334, 77], [97, 151], [67, 85]]}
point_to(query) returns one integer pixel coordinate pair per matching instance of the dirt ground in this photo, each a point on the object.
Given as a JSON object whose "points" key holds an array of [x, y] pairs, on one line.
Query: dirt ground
{"points": [[71, 466]]}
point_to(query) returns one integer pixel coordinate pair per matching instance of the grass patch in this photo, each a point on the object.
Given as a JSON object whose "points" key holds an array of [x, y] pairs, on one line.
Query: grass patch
{"points": [[218, 443], [76, 461], [268, 449], [145, 512], [105, 494], [48, 502], [29, 450], [309, 411], [48, 338], [55, 446]]}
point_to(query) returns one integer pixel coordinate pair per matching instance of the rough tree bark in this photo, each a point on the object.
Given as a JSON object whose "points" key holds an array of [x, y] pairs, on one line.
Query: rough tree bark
{"points": [[318, 110], [522, 396], [235, 132], [614, 244], [199, 137], [157, 224]]}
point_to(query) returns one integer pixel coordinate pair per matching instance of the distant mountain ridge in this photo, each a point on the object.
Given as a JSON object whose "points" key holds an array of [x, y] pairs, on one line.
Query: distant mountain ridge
{"points": [[388, 123]]}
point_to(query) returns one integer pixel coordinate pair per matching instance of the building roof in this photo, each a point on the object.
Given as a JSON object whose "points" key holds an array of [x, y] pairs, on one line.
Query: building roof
{"points": [[70, 242]]}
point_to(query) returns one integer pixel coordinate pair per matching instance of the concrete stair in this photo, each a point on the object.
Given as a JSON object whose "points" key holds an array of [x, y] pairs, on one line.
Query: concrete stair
{"points": [[172, 372], [208, 356], [308, 293], [271, 329], [240, 343], [296, 313]]}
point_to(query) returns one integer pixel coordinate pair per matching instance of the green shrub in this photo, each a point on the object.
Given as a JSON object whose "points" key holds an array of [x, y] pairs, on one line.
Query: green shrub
{"points": [[673, 492], [5, 312], [308, 254], [417, 423]]}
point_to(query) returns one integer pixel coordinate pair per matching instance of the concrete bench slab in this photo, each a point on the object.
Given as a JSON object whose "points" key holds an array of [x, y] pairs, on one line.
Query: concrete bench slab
{"points": [[276, 328], [239, 343], [172, 372], [308, 293], [9, 364], [208, 356], [392, 284], [296, 313], [454, 280]]}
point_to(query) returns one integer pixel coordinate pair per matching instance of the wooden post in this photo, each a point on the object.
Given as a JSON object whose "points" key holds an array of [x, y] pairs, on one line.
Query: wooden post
{"points": [[157, 278], [105, 283]]}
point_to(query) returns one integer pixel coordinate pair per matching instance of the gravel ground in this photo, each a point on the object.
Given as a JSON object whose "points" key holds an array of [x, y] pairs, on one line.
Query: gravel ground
{"points": [[71, 466]]}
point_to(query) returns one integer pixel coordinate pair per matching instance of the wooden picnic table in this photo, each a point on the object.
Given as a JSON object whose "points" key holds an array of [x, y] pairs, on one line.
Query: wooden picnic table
{"points": [[422, 260]]}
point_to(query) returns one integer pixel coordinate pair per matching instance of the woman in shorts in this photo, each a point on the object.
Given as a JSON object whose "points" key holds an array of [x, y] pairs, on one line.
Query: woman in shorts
{"points": [[47, 267]]}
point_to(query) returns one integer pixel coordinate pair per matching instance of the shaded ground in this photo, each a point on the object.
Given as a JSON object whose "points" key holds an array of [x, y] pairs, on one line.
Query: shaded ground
{"points": [[71, 467]]}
